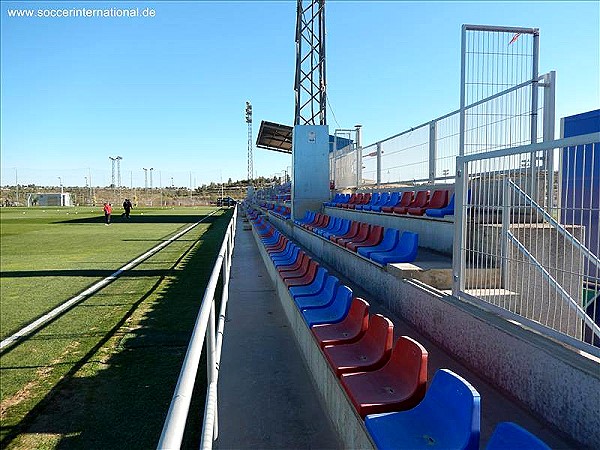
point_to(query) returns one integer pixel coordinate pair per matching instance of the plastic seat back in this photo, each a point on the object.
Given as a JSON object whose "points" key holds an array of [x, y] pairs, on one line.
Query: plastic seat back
{"points": [[408, 362], [343, 228], [354, 227], [341, 303], [363, 232], [407, 198], [379, 337], [313, 288], [459, 402], [420, 200], [394, 199], [383, 198], [349, 330], [439, 199], [510, 436]]}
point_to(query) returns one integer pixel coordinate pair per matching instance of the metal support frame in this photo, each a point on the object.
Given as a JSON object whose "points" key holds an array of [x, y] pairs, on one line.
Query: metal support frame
{"points": [[310, 83], [358, 157], [549, 118], [250, 158], [461, 208], [432, 150], [379, 164]]}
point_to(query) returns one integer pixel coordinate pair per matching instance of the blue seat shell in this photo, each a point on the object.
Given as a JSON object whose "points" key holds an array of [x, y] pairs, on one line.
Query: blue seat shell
{"points": [[510, 436], [334, 312], [448, 418], [404, 251]]}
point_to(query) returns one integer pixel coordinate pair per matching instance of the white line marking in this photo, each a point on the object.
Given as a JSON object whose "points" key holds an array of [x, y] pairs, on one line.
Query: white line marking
{"points": [[94, 288]]}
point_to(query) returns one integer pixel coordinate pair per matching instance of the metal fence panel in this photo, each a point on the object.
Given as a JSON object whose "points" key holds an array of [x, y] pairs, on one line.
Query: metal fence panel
{"points": [[522, 255]]}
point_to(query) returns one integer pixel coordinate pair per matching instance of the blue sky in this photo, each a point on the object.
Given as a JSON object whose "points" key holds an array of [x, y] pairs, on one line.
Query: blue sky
{"points": [[169, 92]]}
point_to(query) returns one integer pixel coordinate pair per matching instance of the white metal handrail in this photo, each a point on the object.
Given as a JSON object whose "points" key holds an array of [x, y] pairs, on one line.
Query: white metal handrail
{"points": [[204, 329]]}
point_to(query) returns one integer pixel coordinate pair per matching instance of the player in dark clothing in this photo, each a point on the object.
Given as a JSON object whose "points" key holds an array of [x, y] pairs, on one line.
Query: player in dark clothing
{"points": [[127, 207]]}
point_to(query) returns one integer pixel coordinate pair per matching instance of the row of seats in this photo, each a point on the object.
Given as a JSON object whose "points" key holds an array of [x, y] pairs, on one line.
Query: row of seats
{"points": [[284, 212], [385, 380], [407, 202], [382, 245]]}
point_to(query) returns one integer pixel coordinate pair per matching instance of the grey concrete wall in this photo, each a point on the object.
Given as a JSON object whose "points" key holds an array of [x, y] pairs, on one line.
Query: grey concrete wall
{"points": [[554, 381], [346, 421], [434, 234]]}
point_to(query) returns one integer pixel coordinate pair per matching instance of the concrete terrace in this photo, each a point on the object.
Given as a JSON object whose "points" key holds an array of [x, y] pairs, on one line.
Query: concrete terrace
{"points": [[267, 396]]}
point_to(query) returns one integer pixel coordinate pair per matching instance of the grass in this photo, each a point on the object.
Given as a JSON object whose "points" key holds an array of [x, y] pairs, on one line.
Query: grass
{"points": [[102, 375]]}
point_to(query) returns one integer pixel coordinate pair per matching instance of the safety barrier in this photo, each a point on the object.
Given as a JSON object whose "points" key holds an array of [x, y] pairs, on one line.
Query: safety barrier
{"points": [[204, 330]]}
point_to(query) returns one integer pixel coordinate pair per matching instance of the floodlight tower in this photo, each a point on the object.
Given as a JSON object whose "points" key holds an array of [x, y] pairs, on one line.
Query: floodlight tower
{"points": [[113, 160], [310, 84], [250, 161], [151, 169], [145, 178], [310, 141], [118, 159]]}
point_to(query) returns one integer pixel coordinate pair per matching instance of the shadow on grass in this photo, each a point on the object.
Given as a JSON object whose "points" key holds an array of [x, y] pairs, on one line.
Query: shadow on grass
{"points": [[125, 404], [93, 273], [146, 218]]}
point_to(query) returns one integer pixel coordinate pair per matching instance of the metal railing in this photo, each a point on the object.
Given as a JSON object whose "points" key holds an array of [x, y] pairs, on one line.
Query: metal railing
{"points": [[500, 104], [204, 330], [427, 153], [529, 247]]}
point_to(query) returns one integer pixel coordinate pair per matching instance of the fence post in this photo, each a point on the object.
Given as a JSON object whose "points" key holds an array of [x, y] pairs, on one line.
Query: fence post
{"points": [[506, 208], [460, 215], [549, 130], [378, 164], [432, 150], [463, 60], [358, 157]]}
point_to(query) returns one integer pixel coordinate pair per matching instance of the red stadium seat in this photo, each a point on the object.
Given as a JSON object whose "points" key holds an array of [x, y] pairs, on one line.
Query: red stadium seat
{"points": [[349, 330], [371, 352], [397, 386]]}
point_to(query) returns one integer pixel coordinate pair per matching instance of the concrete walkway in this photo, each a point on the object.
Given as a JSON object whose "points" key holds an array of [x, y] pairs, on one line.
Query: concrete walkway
{"points": [[266, 396]]}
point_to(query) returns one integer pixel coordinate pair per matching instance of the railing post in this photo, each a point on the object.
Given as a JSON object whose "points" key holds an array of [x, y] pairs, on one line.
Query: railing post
{"points": [[378, 164], [506, 207], [211, 363], [460, 221], [432, 150], [549, 130], [358, 157]]}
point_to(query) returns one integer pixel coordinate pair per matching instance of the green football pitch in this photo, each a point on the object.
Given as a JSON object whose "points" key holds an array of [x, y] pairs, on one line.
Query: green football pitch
{"points": [[101, 375]]}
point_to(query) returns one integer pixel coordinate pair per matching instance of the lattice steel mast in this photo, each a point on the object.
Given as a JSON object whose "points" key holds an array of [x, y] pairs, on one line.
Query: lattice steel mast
{"points": [[250, 162], [310, 84]]}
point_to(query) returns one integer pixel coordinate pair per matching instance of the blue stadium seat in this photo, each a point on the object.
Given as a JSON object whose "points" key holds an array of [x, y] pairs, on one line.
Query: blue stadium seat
{"points": [[323, 298], [441, 212], [447, 418], [404, 251], [342, 229], [374, 199], [277, 262], [313, 288], [510, 436], [335, 312], [383, 198], [389, 241]]}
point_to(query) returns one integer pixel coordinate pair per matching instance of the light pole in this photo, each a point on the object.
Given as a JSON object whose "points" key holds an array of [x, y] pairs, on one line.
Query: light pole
{"points": [[145, 178], [151, 169], [61, 191]]}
